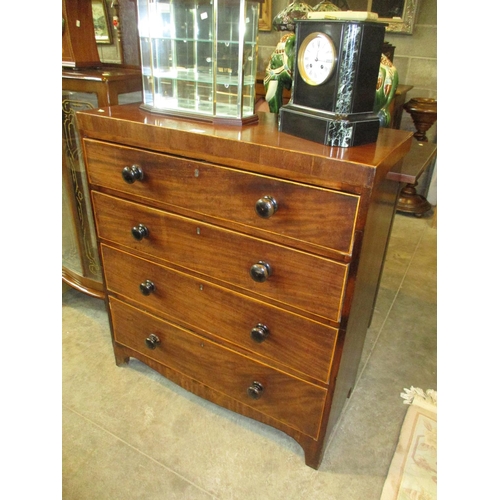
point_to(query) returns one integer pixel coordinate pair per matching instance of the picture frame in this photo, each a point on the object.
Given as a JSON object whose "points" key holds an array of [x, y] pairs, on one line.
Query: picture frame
{"points": [[403, 22], [265, 16], [102, 28]]}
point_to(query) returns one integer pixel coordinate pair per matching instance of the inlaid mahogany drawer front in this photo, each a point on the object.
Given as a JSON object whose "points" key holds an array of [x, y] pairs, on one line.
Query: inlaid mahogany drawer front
{"points": [[301, 280], [294, 402], [322, 217], [292, 340]]}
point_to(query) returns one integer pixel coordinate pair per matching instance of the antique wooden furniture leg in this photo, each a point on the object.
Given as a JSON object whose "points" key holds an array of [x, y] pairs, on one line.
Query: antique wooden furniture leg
{"points": [[421, 155], [424, 115], [411, 202]]}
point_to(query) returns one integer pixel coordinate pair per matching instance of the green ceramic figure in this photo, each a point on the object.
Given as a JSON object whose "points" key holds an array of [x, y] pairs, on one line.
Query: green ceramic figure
{"points": [[279, 72], [387, 84]]}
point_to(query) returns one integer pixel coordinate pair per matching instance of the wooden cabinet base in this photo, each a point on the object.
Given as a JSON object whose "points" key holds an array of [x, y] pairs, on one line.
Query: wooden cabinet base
{"points": [[313, 448]]}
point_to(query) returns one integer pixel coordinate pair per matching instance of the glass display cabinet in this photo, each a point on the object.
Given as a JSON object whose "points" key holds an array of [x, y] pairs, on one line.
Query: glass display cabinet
{"points": [[199, 58], [83, 89], [86, 84]]}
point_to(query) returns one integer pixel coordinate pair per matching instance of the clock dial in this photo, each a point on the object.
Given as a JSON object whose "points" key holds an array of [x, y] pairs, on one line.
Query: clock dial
{"points": [[316, 58]]}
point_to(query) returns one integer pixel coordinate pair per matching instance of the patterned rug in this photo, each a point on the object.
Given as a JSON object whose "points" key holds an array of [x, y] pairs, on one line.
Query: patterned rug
{"points": [[413, 471]]}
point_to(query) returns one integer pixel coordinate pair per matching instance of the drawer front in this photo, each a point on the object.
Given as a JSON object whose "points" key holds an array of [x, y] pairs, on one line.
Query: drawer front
{"points": [[267, 331], [229, 194], [290, 400], [302, 280]]}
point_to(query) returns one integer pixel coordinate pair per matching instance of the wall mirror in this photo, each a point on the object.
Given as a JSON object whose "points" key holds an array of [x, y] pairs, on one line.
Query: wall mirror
{"points": [[400, 15]]}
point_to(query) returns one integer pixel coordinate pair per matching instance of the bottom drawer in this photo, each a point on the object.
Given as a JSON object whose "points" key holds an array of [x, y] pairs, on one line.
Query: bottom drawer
{"points": [[290, 400]]}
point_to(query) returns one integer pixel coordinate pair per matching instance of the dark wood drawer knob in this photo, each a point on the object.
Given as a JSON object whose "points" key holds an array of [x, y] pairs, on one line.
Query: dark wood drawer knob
{"points": [[152, 341], [260, 333], [261, 271], [147, 287], [132, 174], [140, 232], [255, 390], [266, 207]]}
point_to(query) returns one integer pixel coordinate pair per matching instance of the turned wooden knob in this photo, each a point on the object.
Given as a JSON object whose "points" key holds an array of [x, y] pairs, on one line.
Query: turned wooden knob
{"points": [[152, 341], [261, 271], [147, 287], [132, 174], [266, 206], [260, 333], [140, 232], [255, 390]]}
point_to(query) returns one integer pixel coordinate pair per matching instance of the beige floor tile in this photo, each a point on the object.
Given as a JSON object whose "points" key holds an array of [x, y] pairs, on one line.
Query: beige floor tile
{"points": [[98, 465]]}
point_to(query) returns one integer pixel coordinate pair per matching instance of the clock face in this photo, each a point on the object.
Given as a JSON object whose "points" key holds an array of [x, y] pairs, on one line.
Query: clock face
{"points": [[316, 58]]}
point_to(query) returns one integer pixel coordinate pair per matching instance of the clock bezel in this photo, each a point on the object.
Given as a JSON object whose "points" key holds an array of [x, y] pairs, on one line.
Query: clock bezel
{"points": [[301, 54]]}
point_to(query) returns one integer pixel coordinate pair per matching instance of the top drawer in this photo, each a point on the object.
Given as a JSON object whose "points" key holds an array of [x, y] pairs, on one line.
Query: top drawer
{"points": [[322, 217]]}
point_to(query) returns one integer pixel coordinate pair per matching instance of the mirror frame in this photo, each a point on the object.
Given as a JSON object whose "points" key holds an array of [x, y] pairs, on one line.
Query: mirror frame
{"points": [[406, 23]]}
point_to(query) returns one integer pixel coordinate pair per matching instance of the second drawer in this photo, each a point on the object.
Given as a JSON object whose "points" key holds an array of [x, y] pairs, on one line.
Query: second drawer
{"points": [[304, 281]]}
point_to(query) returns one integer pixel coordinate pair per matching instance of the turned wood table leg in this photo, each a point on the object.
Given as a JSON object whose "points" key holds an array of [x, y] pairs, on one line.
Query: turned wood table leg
{"points": [[412, 203], [424, 114]]}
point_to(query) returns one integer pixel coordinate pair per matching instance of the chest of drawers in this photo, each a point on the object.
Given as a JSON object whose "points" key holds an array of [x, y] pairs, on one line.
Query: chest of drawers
{"points": [[241, 263]]}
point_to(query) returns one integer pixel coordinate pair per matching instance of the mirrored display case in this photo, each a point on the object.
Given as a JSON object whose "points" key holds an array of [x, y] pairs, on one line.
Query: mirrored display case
{"points": [[199, 58]]}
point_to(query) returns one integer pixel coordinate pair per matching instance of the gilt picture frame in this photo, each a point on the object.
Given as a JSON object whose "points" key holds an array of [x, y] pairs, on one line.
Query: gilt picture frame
{"points": [[265, 16], [102, 28], [402, 23]]}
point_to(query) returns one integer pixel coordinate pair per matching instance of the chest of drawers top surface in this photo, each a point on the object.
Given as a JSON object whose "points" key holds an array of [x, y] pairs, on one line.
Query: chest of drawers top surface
{"points": [[259, 148]]}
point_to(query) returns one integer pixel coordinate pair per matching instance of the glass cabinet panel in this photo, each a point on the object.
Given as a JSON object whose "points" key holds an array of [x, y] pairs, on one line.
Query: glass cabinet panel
{"points": [[80, 260], [85, 89], [199, 57]]}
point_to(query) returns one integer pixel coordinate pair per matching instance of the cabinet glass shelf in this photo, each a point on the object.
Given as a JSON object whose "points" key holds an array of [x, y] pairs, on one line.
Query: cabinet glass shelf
{"points": [[199, 58]]}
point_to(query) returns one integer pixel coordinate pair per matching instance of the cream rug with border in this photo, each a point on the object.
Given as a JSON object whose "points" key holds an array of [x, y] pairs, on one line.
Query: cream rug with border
{"points": [[413, 471]]}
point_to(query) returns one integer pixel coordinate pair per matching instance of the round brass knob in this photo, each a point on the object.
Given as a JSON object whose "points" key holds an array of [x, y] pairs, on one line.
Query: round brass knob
{"points": [[152, 341], [132, 174], [255, 390], [260, 332], [266, 207], [140, 232], [261, 271], [147, 287]]}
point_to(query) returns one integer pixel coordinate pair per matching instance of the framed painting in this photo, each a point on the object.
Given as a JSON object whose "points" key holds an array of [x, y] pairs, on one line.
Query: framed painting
{"points": [[102, 28], [265, 16], [400, 15]]}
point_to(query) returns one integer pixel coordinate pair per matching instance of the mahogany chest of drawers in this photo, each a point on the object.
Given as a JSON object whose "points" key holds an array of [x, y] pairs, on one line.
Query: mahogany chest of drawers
{"points": [[241, 263]]}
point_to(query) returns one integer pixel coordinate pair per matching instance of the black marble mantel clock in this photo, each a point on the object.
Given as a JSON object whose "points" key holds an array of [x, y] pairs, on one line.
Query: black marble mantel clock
{"points": [[334, 82]]}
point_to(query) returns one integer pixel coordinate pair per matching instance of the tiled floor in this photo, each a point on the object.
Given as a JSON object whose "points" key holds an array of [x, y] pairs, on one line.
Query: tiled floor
{"points": [[128, 433]]}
